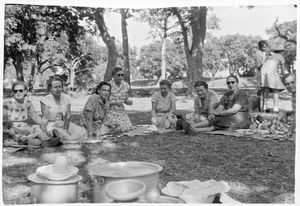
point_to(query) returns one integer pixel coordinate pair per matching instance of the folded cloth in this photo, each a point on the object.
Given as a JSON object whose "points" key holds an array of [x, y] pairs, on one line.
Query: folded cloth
{"points": [[196, 191]]}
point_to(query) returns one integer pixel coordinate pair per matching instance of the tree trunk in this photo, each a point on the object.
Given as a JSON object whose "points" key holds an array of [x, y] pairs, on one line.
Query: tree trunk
{"points": [[110, 44], [125, 44], [194, 63], [163, 50], [163, 60], [17, 61], [195, 54]]}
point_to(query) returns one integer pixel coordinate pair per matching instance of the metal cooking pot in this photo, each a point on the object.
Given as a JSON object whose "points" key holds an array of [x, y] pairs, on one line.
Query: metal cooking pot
{"points": [[103, 174], [49, 191]]}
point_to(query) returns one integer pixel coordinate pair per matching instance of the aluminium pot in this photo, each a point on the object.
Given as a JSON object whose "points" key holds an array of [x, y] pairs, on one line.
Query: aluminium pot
{"points": [[50, 191], [103, 174]]}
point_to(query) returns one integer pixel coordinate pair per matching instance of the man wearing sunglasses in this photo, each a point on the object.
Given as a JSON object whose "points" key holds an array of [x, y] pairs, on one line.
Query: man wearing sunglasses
{"points": [[289, 80]]}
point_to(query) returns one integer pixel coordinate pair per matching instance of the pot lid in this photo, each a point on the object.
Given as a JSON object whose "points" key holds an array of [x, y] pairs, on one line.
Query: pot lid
{"points": [[125, 169], [42, 180]]}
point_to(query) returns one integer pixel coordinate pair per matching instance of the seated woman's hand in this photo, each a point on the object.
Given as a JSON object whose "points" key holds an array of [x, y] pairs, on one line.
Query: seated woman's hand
{"points": [[128, 102], [211, 117], [154, 120], [111, 124]]}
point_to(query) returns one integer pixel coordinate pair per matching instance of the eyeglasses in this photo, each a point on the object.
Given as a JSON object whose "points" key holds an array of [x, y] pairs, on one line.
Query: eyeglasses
{"points": [[120, 75], [232, 82], [18, 90]]}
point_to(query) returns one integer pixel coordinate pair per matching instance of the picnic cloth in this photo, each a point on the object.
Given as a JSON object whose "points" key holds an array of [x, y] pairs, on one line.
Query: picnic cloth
{"points": [[253, 133], [263, 126], [195, 191], [137, 130], [145, 130]]}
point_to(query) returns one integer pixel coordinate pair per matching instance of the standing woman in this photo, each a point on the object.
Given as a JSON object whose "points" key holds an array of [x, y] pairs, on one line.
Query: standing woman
{"points": [[271, 72], [118, 97], [56, 111], [163, 106], [260, 58], [17, 111]]}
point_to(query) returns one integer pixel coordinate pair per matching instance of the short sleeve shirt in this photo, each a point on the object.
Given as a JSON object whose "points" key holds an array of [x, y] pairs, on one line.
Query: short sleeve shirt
{"points": [[17, 112], [202, 105], [163, 104], [240, 97], [54, 108], [95, 105]]}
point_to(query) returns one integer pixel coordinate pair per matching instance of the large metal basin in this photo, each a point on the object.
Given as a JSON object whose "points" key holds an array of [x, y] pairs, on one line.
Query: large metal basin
{"points": [[103, 174]]}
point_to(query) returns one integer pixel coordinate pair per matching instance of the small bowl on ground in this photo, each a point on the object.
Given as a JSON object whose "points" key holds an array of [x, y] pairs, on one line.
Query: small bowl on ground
{"points": [[125, 190]]}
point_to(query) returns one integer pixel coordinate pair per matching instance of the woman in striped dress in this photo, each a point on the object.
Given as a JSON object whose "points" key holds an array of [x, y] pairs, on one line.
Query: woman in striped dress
{"points": [[271, 72]]}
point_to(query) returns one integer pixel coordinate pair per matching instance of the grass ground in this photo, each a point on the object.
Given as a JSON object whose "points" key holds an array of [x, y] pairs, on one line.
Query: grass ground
{"points": [[257, 170]]}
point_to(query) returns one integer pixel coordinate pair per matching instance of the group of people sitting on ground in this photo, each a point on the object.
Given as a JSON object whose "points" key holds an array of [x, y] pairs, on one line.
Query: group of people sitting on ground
{"points": [[104, 111]]}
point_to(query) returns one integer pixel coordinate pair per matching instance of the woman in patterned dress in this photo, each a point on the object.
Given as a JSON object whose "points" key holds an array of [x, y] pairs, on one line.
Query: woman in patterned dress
{"points": [[95, 112], [118, 97], [271, 77], [17, 111], [56, 111]]}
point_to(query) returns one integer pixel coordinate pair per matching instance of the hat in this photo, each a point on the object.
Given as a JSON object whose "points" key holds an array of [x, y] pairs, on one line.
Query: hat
{"points": [[278, 48]]}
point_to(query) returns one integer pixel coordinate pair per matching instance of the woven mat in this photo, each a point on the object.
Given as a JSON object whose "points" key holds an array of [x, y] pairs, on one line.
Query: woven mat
{"points": [[253, 133]]}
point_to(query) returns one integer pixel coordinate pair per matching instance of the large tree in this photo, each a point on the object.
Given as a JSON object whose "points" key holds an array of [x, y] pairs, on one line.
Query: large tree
{"points": [[193, 20]]}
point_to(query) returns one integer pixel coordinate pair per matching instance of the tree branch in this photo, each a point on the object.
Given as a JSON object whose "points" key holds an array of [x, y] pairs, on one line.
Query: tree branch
{"points": [[283, 36], [183, 31]]}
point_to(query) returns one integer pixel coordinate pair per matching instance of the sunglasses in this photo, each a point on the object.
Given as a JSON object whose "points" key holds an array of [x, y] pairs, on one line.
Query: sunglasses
{"points": [[120, 75], [232, 82], [18, 90]]}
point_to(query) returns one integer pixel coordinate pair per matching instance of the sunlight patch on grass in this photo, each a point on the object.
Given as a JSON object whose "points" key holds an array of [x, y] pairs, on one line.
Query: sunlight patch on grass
{"points": [[76, 157], [239, 188], [11, 160], [107, 144], [11, 180], [20, 193], [96, 160], [72, 146]]}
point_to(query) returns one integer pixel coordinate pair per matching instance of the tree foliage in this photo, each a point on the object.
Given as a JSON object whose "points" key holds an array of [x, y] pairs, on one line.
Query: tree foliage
{"points": [[285, 34], [149, 60]]}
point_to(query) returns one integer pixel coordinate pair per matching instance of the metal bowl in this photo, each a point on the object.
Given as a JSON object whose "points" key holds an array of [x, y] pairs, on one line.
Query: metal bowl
{"points": [[125, 190]]}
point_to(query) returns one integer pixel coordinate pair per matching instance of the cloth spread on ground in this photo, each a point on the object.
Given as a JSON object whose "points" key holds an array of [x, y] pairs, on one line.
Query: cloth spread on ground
{"points": [[196, 191], [145, 130], [270, 127]]}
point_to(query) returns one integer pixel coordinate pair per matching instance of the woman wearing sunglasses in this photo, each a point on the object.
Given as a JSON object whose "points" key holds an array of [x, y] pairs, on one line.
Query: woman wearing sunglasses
{"points": [[56, 111], [118, 97], [17, 111], [232, 111]]}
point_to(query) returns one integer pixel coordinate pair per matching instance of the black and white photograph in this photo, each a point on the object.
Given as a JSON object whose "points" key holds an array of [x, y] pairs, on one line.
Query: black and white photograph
{"points": [[184, 102]]}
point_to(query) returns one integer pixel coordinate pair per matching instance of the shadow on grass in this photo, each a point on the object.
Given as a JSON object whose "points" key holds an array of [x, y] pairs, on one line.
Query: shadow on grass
{"points": [[239, 161]]}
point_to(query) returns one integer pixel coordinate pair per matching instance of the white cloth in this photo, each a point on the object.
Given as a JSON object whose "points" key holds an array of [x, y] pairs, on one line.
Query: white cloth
{"points": [[196, 191]]}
